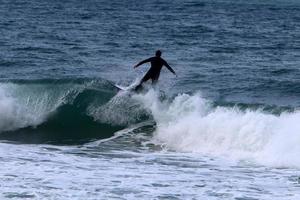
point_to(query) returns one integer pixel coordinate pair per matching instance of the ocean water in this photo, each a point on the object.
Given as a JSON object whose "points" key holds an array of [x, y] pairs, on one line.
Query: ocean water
{"points": [[226, 128]]}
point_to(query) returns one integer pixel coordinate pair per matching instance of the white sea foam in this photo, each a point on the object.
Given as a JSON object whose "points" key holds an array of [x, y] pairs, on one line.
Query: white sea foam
{"points": [[119, 110], [189, 123]]}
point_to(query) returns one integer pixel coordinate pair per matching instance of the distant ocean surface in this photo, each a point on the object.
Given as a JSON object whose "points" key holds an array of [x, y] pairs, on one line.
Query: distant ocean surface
{"points": [[226, 128]]}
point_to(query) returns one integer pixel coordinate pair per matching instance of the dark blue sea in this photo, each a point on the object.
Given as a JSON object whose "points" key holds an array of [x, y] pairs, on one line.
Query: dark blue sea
{"points": [[226, 127]]}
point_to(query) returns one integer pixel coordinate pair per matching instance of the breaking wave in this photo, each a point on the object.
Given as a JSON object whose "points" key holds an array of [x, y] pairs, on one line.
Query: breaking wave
{"points": [[190, 123], [83, 110], [62, 111]]}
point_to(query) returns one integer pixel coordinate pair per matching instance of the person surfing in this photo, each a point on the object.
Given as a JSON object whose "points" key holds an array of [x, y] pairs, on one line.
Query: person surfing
{"points": [[153, 73]]}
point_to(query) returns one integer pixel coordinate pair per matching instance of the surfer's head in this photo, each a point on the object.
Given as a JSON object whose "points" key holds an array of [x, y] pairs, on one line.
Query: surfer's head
{"points": [[158, 53]]}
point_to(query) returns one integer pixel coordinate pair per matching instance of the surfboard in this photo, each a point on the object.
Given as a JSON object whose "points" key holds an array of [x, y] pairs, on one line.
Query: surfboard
{"points": [[134, 89], [130, 88], [119, 88]]}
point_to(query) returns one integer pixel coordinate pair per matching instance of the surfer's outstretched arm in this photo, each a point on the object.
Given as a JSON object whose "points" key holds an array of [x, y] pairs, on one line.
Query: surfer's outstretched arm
{"points": [[142, 62], [169, 68]]}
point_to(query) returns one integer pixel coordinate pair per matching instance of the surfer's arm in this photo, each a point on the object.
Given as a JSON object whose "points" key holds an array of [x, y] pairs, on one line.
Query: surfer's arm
{"points": [[169, 68], [142, 62]]}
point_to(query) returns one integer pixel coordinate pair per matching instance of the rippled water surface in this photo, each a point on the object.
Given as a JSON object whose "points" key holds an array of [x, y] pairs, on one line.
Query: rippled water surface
{"points": [[227, 127]]}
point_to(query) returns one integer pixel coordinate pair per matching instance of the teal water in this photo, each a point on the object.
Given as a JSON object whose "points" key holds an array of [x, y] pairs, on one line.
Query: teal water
{"points": [[225, 128]]}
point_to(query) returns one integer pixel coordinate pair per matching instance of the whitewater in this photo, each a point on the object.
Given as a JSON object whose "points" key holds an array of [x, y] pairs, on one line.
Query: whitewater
{"points": [[185, 123], [187, 149], [227, 127]]}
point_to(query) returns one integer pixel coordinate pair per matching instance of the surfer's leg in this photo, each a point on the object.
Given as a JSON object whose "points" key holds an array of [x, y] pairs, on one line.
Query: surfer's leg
{"points": [[144, 79], [154, 82], [155, 79], [138, 87]]}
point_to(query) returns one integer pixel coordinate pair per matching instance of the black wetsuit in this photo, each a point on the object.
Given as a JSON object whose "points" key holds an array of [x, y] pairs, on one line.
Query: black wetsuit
{"points": [[153, 73]]}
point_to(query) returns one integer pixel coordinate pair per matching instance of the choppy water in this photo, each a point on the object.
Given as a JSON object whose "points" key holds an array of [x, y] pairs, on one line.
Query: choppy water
{"points": [[226, 128]]}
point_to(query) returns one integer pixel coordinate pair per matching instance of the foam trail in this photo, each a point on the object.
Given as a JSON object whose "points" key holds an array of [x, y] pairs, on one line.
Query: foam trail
{"points": [[189, 123], [119, 110]]}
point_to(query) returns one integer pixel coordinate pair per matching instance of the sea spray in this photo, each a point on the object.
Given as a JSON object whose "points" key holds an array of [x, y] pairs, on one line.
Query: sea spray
{"points": [[119, 110], [189, 123], [8, 112], [28, 105]]}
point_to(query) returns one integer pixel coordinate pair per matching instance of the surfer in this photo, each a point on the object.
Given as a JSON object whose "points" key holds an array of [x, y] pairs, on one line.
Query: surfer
{"points": [[153, 73]]}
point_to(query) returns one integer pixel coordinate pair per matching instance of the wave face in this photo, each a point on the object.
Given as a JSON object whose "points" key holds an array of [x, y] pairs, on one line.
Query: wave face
{"points": [[190, 123], [79, 111], [62, 111]]}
